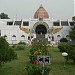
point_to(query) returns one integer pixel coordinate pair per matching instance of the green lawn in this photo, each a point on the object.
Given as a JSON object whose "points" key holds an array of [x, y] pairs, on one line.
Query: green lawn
{"points": [[57, 66], [17, 67]]}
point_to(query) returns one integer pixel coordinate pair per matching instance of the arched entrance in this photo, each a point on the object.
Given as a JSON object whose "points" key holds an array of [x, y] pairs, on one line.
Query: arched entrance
{"points": [[41, 29]]}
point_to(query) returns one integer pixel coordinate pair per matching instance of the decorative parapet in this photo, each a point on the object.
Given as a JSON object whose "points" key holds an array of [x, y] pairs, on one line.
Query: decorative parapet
{"points": [[25, 30], [55, 30]]}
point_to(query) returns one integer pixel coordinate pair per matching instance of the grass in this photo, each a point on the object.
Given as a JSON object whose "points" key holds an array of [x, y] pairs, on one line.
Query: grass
{"points": [[17, 67], [57, 64]]}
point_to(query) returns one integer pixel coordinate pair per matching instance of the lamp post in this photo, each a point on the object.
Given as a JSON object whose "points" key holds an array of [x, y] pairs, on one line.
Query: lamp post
{"points": [[43, 60], [64, 54], [43, 64]]}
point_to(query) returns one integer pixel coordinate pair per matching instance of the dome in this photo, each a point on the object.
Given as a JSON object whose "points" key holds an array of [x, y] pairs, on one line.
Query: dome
{"points": [[41, 13]]}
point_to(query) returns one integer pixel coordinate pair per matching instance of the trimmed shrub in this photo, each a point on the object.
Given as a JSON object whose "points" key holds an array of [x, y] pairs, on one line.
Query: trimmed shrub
{"points": [[65, 47], [38, 48], [63, 40], [22, 43], [37, 70], [73, 45]]}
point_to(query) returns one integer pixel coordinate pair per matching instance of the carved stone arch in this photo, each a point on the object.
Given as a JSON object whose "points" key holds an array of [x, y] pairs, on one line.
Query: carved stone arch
{"points": [[43, 23], [41, 27]]}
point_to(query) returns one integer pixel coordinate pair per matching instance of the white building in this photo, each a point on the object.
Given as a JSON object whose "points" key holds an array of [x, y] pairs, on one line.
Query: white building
{"points": [[40, 25]]}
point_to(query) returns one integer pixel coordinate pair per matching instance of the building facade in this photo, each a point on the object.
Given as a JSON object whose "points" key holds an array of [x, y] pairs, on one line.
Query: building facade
{"points": [[26, 30]]}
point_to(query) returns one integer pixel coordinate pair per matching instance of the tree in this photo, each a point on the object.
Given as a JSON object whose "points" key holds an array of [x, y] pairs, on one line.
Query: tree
{"points": [[73, 18], [72, 33], [4, 16], [69, 48], [6, 53]]}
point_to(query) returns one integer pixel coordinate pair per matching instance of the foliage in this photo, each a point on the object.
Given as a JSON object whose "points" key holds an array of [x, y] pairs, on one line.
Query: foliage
{"points": [[63, 40], [6, 53], [70, 49], [73, 18], [39, 47], [73, 45], [22, 43], [72, 33], [37, 70], [33, 70], [4, 16], [64, 47], [19, 46], [17, 67]]}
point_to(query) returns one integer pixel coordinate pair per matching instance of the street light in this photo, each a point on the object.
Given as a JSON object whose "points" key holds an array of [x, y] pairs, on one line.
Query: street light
{"points": [[64, 54]]}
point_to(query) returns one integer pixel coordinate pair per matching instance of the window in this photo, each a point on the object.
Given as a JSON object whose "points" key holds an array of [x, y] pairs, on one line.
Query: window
{"points": [[23, 37], [58, 36], [49, 36], [40, 19], [5, 36], [67, 35], [56, 23], [17, 23], [13, 37], [9, 23], [31, 36], [64, 23], [25, 23], [28, 37], [72, 23]]}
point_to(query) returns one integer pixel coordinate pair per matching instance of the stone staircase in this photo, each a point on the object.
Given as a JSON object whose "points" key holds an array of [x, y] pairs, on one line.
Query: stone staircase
{"points": [[41, 37]]}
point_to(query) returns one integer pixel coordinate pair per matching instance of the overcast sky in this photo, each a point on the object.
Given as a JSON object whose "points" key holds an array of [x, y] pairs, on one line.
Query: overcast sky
{"points": [[57, 9]]}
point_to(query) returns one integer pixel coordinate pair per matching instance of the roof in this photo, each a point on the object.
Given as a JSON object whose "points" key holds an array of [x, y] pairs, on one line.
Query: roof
{"points": [[41, 13]]}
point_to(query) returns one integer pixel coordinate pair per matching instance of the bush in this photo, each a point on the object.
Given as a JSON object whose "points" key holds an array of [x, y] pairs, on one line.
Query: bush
{"points": [[37, 70], [20, 47], [39, 45], [63, 40], [38, 48], [33, 70], [32, 58], [22, 43], [65, 47], [73, 45], [12, 54], [6, 53]]}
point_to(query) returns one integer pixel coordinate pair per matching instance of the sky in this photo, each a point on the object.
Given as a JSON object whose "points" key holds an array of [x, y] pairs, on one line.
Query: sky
{"points": [[25, 9]]}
